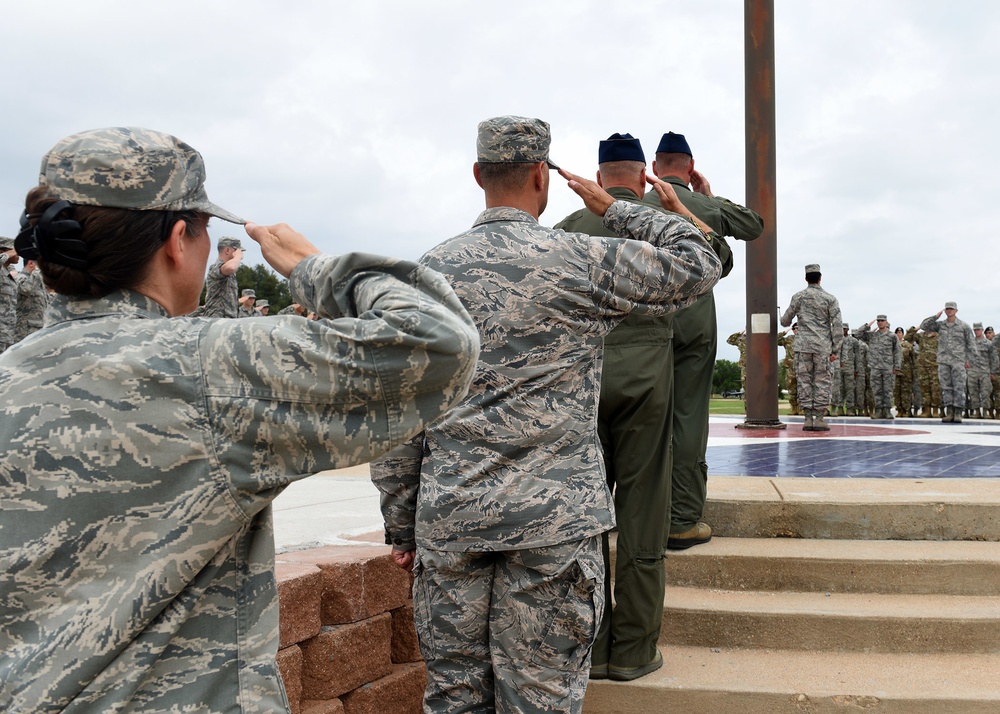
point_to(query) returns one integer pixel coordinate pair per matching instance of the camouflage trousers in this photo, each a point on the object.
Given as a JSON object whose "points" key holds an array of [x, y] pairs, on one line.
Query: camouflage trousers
{"points": [[930, 388], [903, 393], [883, 383], [843, 389], [814, 373], [508, 631], [995, 391], [792, 385], [953, 380], [980, 389]]}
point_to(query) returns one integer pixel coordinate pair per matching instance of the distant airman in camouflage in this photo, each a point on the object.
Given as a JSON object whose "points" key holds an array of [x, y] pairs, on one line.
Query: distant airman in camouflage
{"points": [[984, 367], [8, 293], [739, 341], [143, 448], [845, 376], [885, 358], [32, 299], [261, 308], [994, 404], [956, 352], [791, 383], [816, 348], [930, 386], [903, 392], [221, 290], [246, 301], [507, 493]]}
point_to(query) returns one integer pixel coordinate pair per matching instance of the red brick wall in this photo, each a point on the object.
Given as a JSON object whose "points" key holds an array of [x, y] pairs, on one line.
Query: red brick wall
{"points": [[348, 645]]}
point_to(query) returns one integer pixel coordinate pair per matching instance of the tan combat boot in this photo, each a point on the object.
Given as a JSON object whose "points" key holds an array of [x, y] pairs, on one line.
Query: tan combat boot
{"points": [[818, 423]]}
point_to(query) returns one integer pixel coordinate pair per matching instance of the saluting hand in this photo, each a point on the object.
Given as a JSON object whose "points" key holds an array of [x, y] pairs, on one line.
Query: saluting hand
{"points": [[594, 197], [282, 247]]}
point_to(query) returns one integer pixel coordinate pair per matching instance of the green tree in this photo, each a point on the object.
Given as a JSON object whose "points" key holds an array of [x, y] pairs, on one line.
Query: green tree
{"points": [[725, 375], [267, 284]]}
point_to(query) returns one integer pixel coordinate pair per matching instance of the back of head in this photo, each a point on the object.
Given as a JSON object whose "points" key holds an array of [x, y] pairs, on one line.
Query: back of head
{"points": [[813, 274], [507, 148], [621, 162], [106, 201], [673, 154]]}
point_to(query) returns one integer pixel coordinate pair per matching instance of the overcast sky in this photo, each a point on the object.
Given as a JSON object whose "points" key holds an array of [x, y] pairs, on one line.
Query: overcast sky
{"points": [[355, 122]]}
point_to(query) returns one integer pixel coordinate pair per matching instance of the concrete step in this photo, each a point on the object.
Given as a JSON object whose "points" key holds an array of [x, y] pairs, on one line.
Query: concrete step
{"points": [[854, 508], [841, 566], [705, 680], [853, 622]]}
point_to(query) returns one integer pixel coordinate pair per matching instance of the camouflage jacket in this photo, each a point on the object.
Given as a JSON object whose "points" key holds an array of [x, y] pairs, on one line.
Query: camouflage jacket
{"points": [[956, 341], [142, 454], [849, 357], [986, 357], [8, 304], [821, 330], [518, 463], [884, 352], [32, 299], [221, 293]]}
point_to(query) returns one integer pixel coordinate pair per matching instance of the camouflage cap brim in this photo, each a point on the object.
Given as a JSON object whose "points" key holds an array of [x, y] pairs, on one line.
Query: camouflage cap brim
{"points": [[129, 167], [513, 140]]}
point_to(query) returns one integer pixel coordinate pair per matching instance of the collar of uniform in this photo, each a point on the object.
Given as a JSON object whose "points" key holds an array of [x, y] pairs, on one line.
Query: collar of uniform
{"points": [[622, 193], [504, 213], [675, 181], [124, 303]]}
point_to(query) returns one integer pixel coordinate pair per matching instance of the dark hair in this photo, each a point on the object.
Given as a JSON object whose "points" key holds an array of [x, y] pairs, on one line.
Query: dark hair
{"points": [[900, 329], [504, 177], [813, 277], [120, 243]]}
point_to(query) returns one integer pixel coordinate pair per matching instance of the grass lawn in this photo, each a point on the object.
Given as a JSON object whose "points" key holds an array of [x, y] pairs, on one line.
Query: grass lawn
{"points": [[719, 405]]}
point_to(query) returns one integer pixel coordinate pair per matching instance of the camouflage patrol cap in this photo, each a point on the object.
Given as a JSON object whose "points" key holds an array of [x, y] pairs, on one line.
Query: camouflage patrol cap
{"points": [[977, 325], [846, 326], [6, 243], [249, 292], [814, 268], [881, 317], [129, 167], [951, 304], [263, 303], [228, 242], [513, 140]]}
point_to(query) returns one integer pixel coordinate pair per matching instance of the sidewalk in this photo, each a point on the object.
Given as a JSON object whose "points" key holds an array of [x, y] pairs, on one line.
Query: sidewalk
{"points": [[342, 507]]}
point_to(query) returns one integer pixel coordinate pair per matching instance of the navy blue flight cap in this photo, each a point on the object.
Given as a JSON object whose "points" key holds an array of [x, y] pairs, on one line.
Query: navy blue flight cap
{"points": [[672, 143], [620, 147]]}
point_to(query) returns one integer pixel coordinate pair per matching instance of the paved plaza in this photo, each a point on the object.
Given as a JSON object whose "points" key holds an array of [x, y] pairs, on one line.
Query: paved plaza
{"points": [[341, 507]]}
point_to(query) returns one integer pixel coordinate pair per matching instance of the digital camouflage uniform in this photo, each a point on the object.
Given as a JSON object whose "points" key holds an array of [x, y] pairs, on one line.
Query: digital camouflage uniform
{"points": [[985, 365], [506, 496], [8, 304], [884, 360], [143, 452], [694, 345], [788, 362], [904, 380], [845, 374], [820, 335], [956, 348], [739, 341], [995, 383], [221, 293], [930, 385], [32, 299]]}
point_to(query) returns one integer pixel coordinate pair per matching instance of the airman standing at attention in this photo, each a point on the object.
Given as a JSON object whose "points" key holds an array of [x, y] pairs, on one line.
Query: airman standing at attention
{"points": [[247, 299], [788, 362], [956, 352], [903, 393], [221, 290], [32, 299], [817, 346], [884, 361], [985, 365], [8, 293]]}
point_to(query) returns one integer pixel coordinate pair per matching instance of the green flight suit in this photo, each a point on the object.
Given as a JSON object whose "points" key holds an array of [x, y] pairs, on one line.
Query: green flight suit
{"points": [[694, 344]]}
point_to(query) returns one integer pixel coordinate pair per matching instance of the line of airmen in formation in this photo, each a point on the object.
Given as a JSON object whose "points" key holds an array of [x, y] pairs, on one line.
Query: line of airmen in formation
{"points": [[23, 297], [917, 390]]}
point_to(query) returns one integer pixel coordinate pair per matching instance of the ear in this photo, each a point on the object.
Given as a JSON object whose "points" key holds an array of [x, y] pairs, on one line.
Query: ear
{"points": [[599, 179], [475, 172], [541, 174], [174, 245]]}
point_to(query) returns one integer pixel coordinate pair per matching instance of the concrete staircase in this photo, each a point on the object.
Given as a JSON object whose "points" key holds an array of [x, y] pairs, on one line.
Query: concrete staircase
{"points": [[831, 595]]}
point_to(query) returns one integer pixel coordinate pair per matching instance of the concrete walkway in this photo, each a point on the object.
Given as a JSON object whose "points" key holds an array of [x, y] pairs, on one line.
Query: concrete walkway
{"points": [[923, 458]]}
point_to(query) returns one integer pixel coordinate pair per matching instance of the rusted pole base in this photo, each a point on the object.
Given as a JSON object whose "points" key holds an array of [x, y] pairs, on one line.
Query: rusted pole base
{"points": [[762, 424]]}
